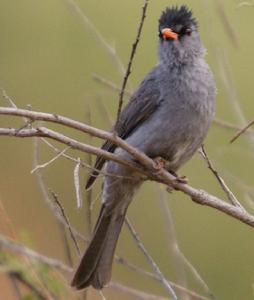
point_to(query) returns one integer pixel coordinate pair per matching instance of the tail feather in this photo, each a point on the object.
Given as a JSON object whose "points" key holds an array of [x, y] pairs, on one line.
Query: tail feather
{"points": [[96, 264]]}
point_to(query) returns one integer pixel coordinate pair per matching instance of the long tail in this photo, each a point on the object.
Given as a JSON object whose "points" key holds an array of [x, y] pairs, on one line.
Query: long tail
{"points": [[96, 264]]}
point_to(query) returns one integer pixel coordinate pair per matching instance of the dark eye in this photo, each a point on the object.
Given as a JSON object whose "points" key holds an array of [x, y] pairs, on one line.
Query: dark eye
{"points": [[188, 31]]}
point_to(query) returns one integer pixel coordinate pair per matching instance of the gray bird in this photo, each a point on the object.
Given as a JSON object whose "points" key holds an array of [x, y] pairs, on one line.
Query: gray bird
{"points": [[168, 116]]}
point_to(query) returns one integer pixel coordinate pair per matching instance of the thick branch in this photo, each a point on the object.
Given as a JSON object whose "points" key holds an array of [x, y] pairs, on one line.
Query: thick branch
{"points": [[162, 176]]}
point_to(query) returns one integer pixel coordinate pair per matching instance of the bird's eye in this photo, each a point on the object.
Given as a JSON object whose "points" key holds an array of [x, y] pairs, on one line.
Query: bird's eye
{"points": [[188, 31]]}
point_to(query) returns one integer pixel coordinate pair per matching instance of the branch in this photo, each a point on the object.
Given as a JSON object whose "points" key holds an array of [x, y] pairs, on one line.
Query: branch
{"points": [[156, 277], [231, 197], [152, 263], [198, 196], [242, 131], [133, 51]]}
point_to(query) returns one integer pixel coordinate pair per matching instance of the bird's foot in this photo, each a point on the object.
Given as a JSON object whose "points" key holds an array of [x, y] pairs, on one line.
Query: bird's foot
{"points": [[159, 163], [179, 179]]}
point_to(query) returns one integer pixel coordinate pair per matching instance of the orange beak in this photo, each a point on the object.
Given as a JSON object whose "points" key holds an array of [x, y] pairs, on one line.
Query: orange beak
{"points": [[168, 33]]}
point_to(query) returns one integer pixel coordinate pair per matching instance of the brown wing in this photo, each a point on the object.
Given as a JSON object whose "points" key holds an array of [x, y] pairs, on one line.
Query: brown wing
{"points": [[140, 107]]}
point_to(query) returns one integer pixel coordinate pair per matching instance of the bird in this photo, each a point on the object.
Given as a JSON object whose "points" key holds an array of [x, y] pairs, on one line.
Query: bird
{"points": [[167, 117]]}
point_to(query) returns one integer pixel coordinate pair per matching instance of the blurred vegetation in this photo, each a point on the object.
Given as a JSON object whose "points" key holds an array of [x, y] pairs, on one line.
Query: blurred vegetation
{"points": [[48, 56]]}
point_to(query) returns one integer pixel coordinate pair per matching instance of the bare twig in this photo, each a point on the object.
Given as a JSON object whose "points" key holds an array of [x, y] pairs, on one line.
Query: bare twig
{"points": [[15, 286], [231, 197], [242, 131], [154, 276], [180, 258], [109, 84], [172, 242], [12, 246], [227, 24], [45, 193], [152, 263], [133, 51], [66, 221], [35, 290], [88, 23], [8, 98], [66, 244], [134, 293], [50, 161], [230, 126], [82, 163]]}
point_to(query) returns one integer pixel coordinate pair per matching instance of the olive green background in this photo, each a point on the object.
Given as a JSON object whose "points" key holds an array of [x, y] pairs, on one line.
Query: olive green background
{"points": [[48, 55]]}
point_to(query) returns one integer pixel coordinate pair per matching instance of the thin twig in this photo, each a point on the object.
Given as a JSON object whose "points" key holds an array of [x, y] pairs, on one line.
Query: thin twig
{"points": [[50, 161], [154, 276], [230, 126], [230, 30], [152, 263], [180, 258], [242, 131], [15, 287], [45, 193], [8, 98], [110, 84], [133, 51], [231, 197], [100, 38], [66, 221], [82, 163], [172, 241], [12, 246], [134, 293], [21, 278], [66, 244]]}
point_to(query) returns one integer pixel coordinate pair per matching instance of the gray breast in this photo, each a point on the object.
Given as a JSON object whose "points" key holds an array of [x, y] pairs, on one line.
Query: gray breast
{"points": [[178, 127]]}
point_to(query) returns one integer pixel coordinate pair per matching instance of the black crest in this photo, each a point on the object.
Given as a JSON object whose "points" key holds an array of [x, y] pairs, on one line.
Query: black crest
{"points": [[175, 16]]}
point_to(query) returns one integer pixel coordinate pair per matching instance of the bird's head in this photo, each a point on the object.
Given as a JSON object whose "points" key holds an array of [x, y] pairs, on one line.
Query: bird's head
{"points": [[179, 40]]}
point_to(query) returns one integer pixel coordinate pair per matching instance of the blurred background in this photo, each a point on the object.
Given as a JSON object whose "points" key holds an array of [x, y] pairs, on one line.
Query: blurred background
{"points": [[50, 54]]}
